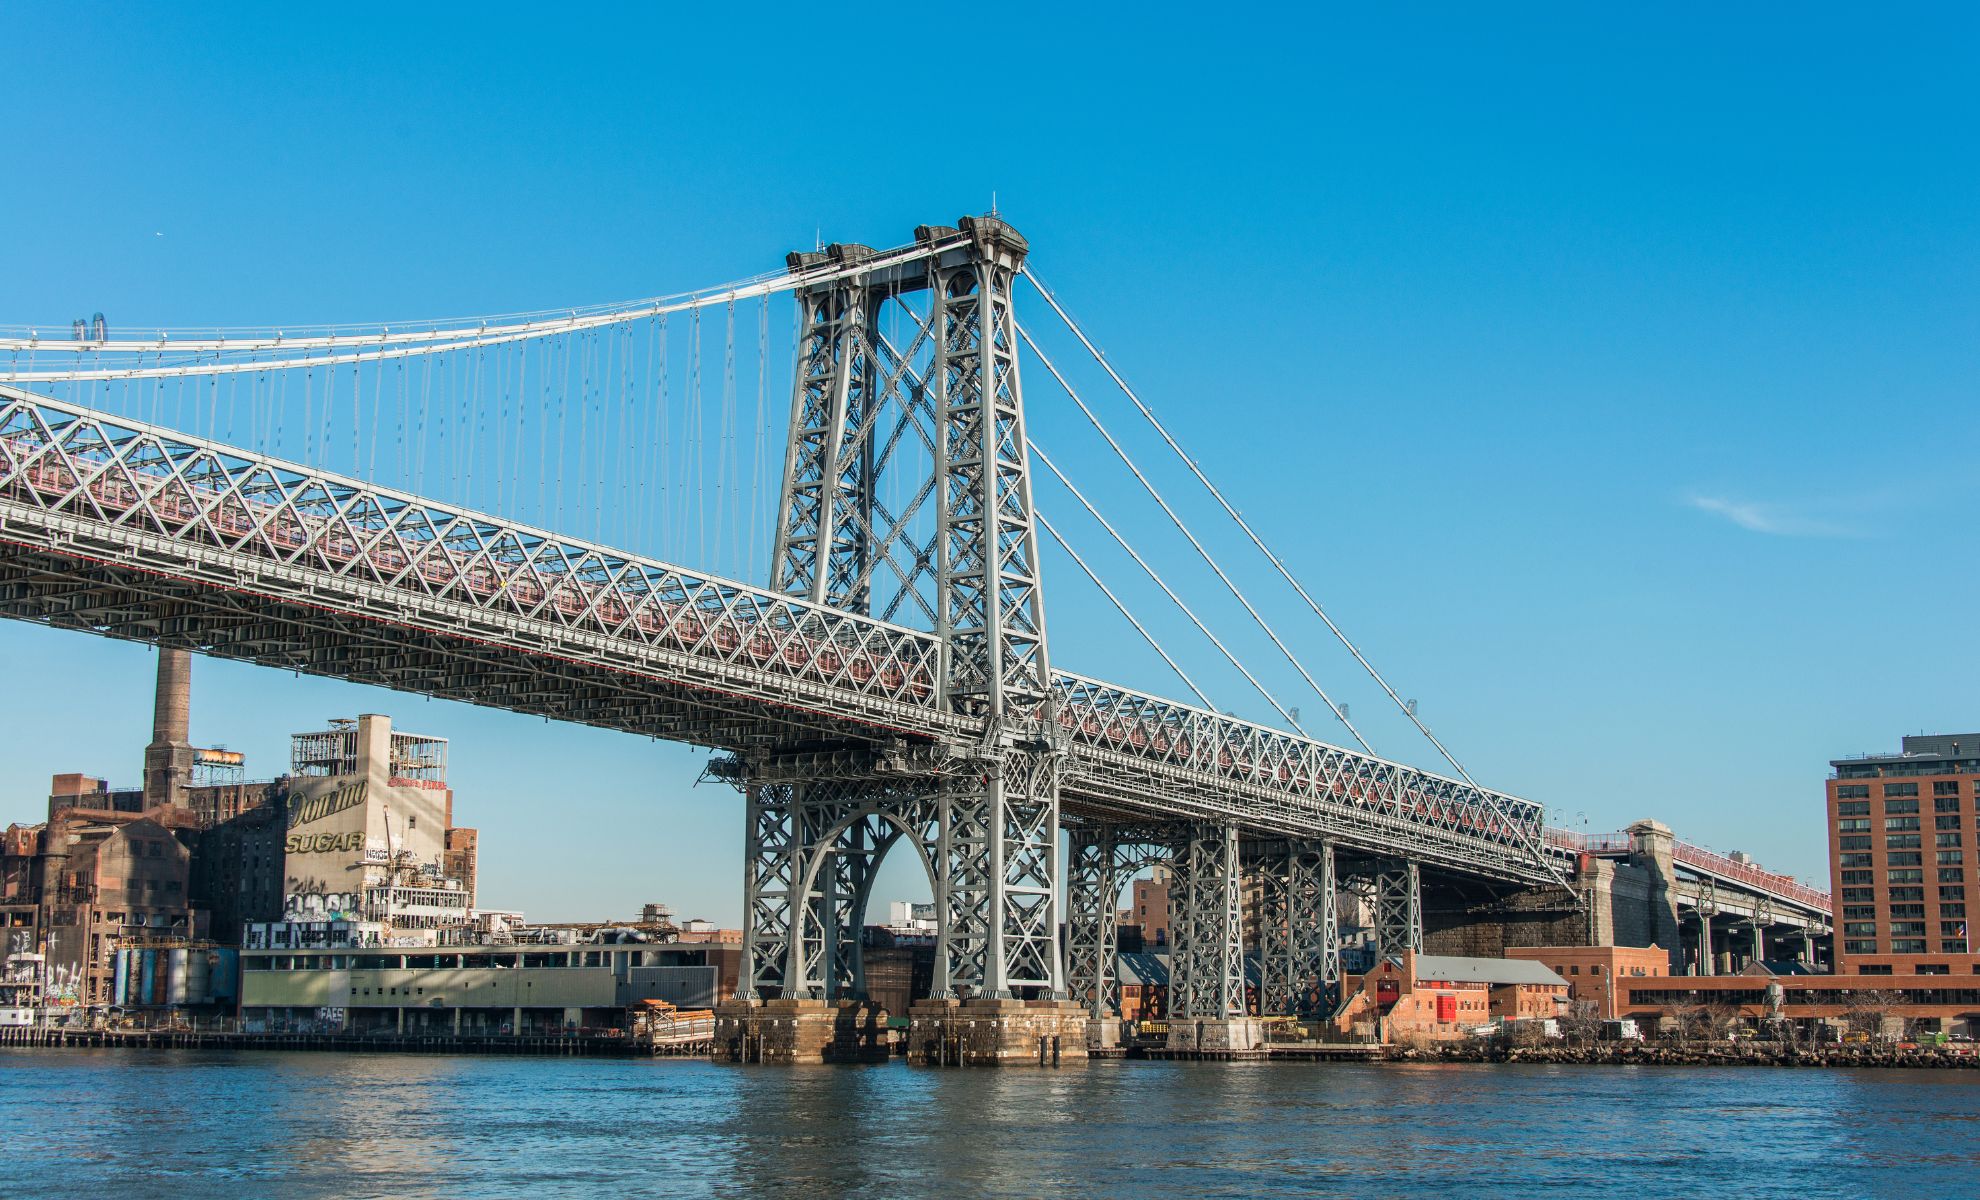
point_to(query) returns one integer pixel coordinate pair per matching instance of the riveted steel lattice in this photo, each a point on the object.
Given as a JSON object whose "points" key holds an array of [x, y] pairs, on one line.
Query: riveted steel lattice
{"points": [[1398, 909], [1103, 859], [1159, 758], [1299, 939], [171, 508], [1206, 963], [810, 856], [860, 411], [127, 529]]}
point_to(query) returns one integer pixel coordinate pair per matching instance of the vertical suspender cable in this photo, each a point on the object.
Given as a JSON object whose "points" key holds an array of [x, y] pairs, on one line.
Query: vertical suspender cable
{"points": [[1258, 542], [1123, 610], [1149, 487], [1166, 589]]}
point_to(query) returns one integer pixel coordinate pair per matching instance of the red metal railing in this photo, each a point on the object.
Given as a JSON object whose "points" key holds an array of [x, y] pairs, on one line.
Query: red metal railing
{"points": [[1749, 874], [1588, 843]]}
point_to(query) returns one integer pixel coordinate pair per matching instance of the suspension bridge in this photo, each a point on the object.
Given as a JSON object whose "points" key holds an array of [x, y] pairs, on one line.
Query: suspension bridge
{"points": [[867, 652]]}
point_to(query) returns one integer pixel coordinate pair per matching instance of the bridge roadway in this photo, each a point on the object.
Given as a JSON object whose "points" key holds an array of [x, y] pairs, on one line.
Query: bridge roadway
{"points": [[1709, 880], [134, 531]]}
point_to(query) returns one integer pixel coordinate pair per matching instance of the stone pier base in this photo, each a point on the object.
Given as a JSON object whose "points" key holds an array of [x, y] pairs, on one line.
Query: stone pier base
{"points": [[1232, 1037], [800, 1031], [1103, 1033], [996, 1033]]}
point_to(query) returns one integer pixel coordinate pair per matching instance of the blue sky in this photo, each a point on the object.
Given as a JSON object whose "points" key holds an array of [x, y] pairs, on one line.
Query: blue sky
{"points": [[1608, 374]]}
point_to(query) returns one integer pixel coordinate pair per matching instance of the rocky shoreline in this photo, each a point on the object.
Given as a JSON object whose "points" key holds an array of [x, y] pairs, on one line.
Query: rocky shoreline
{"points": [[1759, 1054]]}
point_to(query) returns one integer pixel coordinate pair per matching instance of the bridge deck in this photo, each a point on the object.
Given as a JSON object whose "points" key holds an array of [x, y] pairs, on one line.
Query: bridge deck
{"points": [[130, 530]]}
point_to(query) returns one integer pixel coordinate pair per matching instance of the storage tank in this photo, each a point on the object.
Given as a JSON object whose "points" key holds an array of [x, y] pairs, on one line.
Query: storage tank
{"points": [[223, 975], [175, 978]]}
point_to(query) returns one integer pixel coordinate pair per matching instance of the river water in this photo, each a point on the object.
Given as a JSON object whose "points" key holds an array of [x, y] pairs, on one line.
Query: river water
{"points": [[116, 1124]]}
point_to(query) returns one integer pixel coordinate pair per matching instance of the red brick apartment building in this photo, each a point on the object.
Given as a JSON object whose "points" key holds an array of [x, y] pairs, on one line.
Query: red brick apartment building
{"points": [[1904, 836], [1901, 856]]}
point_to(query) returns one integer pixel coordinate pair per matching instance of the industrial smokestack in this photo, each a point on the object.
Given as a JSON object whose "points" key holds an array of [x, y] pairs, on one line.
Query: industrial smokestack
{"points": [[168, 759]]}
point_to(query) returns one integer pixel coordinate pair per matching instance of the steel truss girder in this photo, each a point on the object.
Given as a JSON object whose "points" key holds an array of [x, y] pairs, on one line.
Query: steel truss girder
{"points": [[1206, 958], [134, 495], [1398, 908], [1299, 948], [444, 601], [1151, 757]]}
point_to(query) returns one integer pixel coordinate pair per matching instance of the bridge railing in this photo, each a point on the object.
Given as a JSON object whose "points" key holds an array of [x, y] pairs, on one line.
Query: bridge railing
{"points": [[1588, 843], [1714, 863], [1113, 718], [130, 476], [121, 475]]}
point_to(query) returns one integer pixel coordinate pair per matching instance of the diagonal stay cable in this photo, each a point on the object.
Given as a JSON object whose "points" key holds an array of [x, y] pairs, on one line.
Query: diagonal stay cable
{"points": [[1277, 563], [1123, 610], [1149, 487], [1166, 589]]}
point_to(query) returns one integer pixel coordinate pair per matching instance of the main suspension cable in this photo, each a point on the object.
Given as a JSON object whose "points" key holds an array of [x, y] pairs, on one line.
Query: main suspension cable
{"points": [[1123, 610], [1159, 582], [1277, 563], [1148, 486]]}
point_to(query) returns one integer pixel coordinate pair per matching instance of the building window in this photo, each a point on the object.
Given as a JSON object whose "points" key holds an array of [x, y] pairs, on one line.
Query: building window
{"points": [[1852, 791], [1909, 858], [1934, 968], [1952, 929], [1951, 857], [1868, 947], [1907, 893], [1902, 841], [1856, 841], [1907, 946], [1952, 875], [1860, 928], [1945, 787], [1859, 876], [1871, 968], [1945, 822], [1944, 840], [1956, 909], [1856, 860], [1905, 875], [1859, 912], [1900, 789], [1900, 822], [1945, 804], [1854, 825], [1900, 911], [1858, 894]]}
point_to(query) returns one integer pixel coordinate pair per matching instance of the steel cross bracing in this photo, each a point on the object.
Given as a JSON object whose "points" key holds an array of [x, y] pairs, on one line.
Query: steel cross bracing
{"points": [[1398, 908], [1299, 950], [1206, 967], [1102, 860]]}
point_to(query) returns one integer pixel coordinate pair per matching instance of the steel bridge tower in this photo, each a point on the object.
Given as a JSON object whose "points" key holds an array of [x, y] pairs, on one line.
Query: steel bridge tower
{"points": [[907, 387]]}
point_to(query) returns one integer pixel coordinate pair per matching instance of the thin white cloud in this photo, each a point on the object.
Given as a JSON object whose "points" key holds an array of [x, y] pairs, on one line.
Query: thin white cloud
{"points": [[1773, 519]]}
